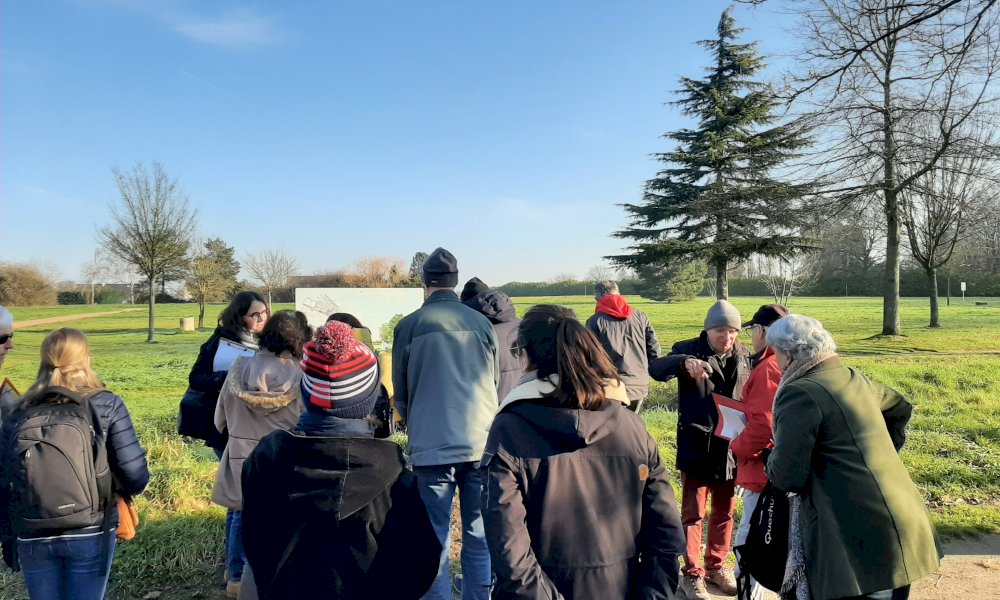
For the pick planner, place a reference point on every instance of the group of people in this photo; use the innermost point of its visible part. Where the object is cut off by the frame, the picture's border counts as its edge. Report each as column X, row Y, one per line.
column 533, row 423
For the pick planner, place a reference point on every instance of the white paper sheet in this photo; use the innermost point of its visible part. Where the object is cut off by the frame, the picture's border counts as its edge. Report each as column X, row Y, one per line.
column 227, row 353
column 733, row 422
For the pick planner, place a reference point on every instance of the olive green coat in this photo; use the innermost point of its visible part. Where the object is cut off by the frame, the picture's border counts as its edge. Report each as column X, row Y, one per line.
column 864, row 524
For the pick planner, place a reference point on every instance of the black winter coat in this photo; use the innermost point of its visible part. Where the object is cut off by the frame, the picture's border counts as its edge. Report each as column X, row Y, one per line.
column 335, row 517
column 499, row 309
column 577, row 504
column 700, row 453
column 203, row 379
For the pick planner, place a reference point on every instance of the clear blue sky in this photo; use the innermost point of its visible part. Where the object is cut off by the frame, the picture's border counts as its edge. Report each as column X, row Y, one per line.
column 506, row 132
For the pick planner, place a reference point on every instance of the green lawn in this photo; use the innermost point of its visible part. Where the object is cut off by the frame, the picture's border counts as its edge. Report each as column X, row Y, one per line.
column 949, row 373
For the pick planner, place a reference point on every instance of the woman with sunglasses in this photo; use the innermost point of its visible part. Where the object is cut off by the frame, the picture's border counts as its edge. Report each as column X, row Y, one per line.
column 8, row 397
column 577, row 503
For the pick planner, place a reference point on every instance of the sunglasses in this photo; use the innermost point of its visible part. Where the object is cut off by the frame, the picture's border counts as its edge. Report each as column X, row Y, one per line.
column 516, row 350
column 4, row 338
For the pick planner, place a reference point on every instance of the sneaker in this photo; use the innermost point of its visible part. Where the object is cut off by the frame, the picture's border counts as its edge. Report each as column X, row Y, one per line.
column 694, row 588
column 456, row 583
column 724, row 580
column 232, row 589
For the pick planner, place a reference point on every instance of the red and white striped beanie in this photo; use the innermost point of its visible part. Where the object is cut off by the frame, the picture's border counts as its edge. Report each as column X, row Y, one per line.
column 339, row 373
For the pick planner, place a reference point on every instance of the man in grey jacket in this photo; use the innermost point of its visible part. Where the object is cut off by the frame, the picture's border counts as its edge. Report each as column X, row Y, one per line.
column 445, row 370
column 627, row 337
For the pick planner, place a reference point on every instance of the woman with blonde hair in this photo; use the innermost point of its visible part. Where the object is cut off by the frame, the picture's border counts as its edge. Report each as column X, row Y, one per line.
column 58, row 527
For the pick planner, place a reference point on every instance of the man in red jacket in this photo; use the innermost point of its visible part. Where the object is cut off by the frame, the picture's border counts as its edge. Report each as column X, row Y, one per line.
column 751, row 442
column 628, row 337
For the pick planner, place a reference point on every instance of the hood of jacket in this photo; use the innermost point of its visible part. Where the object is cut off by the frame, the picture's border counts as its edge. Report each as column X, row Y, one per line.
column 568, row 428
column 494, row 305
column 614, row 305
column 337, row 475
column 265, row 382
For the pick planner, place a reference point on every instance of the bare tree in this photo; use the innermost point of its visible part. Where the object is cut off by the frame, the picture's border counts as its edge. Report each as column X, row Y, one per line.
column 785, row 276
column 152, row 226
column 379, row 271
column 876, row 71
column 271, row 269
column 936, row 210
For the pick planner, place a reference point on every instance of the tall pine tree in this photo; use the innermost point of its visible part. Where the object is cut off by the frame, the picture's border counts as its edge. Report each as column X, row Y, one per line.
column 717, row 199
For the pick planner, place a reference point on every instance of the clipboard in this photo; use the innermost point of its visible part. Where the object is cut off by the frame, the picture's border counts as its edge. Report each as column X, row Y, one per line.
column 228, row 352
column 732, row 416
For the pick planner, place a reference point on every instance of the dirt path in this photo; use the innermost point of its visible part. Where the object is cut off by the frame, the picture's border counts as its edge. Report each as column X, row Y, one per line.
column 970, row 571
column 64, row 318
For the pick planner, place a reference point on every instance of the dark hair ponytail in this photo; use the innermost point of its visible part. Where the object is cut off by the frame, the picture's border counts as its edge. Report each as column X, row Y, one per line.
column 558, row 344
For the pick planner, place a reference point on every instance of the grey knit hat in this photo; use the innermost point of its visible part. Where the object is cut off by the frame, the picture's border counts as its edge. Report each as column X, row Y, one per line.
column 723, row 314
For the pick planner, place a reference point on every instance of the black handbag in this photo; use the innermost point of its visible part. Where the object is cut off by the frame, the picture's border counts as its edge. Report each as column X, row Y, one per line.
column 765, row 551
column 196, row 415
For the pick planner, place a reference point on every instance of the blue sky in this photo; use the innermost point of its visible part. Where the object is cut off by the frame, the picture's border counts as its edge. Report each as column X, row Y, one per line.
column 506, row 132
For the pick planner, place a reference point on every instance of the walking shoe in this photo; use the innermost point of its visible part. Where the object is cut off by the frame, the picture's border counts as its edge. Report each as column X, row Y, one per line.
column 232, row 589
column 694, row 588
column 722, row 579
column 457, row 583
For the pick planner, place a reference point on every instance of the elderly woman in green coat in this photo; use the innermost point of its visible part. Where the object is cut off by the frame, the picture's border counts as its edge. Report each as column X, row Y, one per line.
column 862, row 528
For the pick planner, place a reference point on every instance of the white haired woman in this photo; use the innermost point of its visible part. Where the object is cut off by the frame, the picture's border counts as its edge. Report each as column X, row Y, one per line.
column 862, row 529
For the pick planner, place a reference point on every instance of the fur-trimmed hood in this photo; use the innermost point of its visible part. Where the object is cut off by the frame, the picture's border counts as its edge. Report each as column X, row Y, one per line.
column 265, row 382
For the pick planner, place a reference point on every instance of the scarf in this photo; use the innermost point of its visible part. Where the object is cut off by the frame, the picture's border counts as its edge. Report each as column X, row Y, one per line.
column 326, row 425
column 795, row 586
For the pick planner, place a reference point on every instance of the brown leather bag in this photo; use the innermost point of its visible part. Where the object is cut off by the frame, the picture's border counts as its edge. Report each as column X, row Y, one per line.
column 128, row 520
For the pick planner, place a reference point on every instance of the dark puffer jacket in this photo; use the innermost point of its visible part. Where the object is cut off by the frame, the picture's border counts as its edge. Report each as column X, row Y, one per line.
column 335, row 517
column 499, row 309
column 700, row 453
column 577, row 503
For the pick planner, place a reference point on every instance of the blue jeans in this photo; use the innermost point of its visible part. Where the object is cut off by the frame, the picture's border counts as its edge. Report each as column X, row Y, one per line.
column 437, row 486
column 67, row 568
column 235, row 558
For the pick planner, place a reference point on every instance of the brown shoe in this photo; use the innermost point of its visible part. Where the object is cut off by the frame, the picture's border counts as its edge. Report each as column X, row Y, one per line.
column 722, row 579
column 693, row 587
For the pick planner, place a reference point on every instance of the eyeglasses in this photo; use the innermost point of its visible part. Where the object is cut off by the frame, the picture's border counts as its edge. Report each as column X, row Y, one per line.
column 260, row 315
column 4, row 338
column 516, row 350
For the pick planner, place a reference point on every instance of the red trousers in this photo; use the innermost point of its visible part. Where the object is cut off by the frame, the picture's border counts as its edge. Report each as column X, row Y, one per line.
column 694, row 499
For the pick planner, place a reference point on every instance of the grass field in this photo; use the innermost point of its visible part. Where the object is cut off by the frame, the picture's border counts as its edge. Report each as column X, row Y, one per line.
column 950, row 374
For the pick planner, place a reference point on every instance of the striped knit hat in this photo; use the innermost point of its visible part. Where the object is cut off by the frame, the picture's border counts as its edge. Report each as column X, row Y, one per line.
column 339, row 373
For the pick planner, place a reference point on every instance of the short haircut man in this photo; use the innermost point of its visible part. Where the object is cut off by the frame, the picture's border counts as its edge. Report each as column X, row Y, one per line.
column 628, row 337
column 445, row 369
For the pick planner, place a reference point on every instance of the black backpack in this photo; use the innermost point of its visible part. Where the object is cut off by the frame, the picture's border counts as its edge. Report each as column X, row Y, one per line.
column 56, row 464
column 765, row 551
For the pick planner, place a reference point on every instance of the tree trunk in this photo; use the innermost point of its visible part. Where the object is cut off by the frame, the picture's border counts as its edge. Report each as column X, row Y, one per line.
column 935, row 313
column 268, row 298
column 721, row 279
column 890, row 289
column 152, row 301
column 201, row 314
